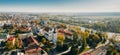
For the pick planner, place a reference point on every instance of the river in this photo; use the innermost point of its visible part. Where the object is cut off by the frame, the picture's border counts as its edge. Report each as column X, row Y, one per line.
column 110, row 34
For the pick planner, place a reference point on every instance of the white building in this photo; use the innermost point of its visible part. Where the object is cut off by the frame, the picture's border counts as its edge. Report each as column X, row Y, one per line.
column 116, row 37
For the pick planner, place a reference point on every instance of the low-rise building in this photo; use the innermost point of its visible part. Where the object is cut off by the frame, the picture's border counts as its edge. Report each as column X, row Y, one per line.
column 33, row 50
column 116, row 37
column 12, row 39
column 30, row 41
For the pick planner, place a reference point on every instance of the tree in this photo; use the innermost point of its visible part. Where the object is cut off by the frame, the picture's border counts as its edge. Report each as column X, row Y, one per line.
column 111, row 50
column 17, row 43
column 87, row 30
column 3, row 43
column 47, row 49
column 96, row 37
column 93, row 40
column 75, row 37
column 60, row 42
column 61, row 37
column 1, row 29
column 105, row 35
column 9, row 45
column 44, row 40
column 86, row 34
column 79, row 32
column 18, row 35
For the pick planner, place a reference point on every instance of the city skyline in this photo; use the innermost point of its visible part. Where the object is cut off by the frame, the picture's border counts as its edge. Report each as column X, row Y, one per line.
column 59, row 6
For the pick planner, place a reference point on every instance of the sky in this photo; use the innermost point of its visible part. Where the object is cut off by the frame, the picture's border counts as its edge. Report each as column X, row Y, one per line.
column 59, row 5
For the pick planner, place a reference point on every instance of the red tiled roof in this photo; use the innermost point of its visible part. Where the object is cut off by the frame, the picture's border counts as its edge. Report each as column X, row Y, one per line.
column 33, row 49
column 31, row 39
column 61, row 30
column 11, row 38
column 47, row 29
column 68, row 32
column 65, row 31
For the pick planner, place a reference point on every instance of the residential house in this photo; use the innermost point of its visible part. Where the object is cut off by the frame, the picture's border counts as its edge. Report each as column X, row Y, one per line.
column 25, row 35
column 68, row 33
column 30, row 41
column 116, row 37
column 33, row 50
column 12, row 38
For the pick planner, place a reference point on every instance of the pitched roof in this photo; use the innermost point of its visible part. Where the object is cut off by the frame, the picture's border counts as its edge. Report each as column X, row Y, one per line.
column 31, row 39
column 68, row 32
column 65, row 31
column 11, row 38
column 32, row 49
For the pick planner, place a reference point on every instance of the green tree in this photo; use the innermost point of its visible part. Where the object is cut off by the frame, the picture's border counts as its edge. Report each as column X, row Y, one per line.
column 75, row 37
column 17, row 43
column 44, row 40
column 87, row 30
column 85, row 35
column 9, row 45
column 111, row 50
column 96, row 37
column 93, row 40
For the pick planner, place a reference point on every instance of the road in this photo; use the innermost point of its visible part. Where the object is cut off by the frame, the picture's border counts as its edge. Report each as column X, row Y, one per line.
column 99, row 51
column 65, row 51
